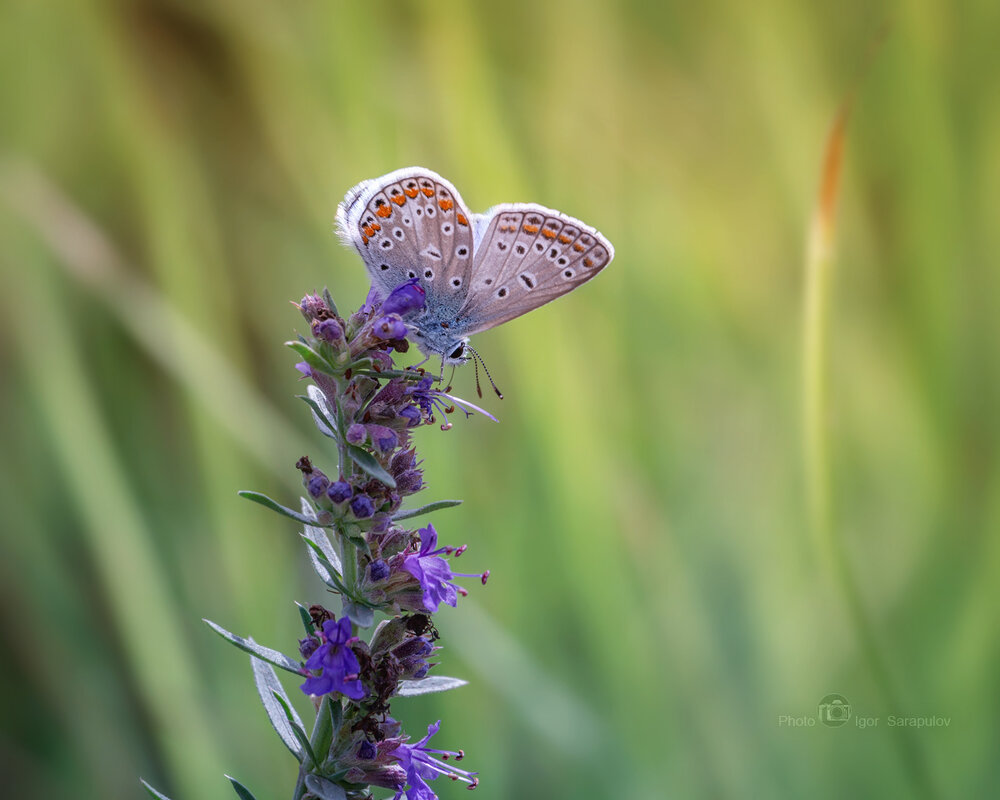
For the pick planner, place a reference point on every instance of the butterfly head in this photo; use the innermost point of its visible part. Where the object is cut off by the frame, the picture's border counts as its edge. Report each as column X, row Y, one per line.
column 458, row 354
column 452, row 353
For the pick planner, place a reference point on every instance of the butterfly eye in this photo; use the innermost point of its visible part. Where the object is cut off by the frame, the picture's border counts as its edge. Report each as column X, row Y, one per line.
column 458, row 351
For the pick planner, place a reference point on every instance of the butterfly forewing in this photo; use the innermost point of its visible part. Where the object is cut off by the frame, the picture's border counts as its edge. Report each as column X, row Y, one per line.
column 527, row 256
column 410, row 224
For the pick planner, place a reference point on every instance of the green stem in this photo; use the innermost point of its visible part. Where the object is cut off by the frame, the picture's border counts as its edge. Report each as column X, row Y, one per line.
column 348, row 552
column 819, row 271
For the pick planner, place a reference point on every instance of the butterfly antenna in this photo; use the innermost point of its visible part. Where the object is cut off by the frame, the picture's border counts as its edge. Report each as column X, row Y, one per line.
column 487, row 371
column 475, row 367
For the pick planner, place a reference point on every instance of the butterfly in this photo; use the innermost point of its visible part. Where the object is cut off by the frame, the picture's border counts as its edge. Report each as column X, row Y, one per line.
column 477, row 270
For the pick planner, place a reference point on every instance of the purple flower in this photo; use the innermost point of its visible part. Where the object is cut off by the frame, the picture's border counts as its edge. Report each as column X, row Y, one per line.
column 430, row 400
column 389, row 327
column 421, row 767
column 362, row 506
column 337, row 662
column 405, row 298
column 339, row 491
column 432, row 571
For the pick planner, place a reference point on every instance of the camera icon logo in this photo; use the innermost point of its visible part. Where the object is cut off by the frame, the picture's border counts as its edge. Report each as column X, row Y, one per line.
column 834, row 710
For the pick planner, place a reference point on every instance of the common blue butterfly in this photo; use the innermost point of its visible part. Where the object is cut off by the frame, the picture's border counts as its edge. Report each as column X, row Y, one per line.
column 478, row 270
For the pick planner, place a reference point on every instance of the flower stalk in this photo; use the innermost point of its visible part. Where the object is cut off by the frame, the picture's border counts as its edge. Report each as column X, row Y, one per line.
column 355, row 661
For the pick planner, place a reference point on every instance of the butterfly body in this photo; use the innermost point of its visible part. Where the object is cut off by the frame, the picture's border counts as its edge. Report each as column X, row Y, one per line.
column 478, row 270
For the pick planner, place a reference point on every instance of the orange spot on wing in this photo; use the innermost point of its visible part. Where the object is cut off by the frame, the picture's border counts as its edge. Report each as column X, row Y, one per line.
column 398, row 199
column 462, row 220
column 364, row 239
column 410, row 192
column 428, row 191
column 531, row 229
column 578, row 247
column 588, row 262
column 446, row 204
column 549, row 234
column 384, row 211
column 564, row 238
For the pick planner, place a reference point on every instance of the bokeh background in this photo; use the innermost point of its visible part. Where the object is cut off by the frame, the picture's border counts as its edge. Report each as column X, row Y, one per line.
column 659, row 598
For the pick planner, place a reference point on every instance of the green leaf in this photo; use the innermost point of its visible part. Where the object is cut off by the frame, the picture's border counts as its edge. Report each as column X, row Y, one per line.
column 306, row 617
column 312, row 358
column 322, row 788
column 268, row 687
column 316, row 401
column 250, row 646
column 324, row 729
column 152, row 791
column 318, row 535
column 328, row 299
column 296, row 724
column 360, row 614
column 267, row 502
column 369, row 464
column 326, row 571
column 410, row 513
column 413, row 375
column 243, row 792
column 435, row 683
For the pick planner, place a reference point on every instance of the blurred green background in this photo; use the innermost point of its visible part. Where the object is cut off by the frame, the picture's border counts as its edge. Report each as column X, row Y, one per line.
column 168, row 181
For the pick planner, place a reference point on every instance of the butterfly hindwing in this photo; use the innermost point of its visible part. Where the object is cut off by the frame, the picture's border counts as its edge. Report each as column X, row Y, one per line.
column 528, row 255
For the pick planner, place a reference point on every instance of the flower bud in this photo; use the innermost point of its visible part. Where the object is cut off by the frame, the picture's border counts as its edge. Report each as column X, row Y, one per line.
column 412, row 416
column 383, row 438
column 378, row 570
column 403, row 461
column 362, row 506
column 317, row 483
column 414, row 646
column 328, row 330
column 412, row 655
column 308, row 646
column 339, row 491
column 388, row 635
column 367, row 751
column 410, row 481
column 356, row 433
column 389, row 327
column 405, row 298
column 313, row 307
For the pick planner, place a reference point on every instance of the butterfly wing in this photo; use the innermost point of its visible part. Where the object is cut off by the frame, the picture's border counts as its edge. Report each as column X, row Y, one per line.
column 527, row 255
column 411, row 223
